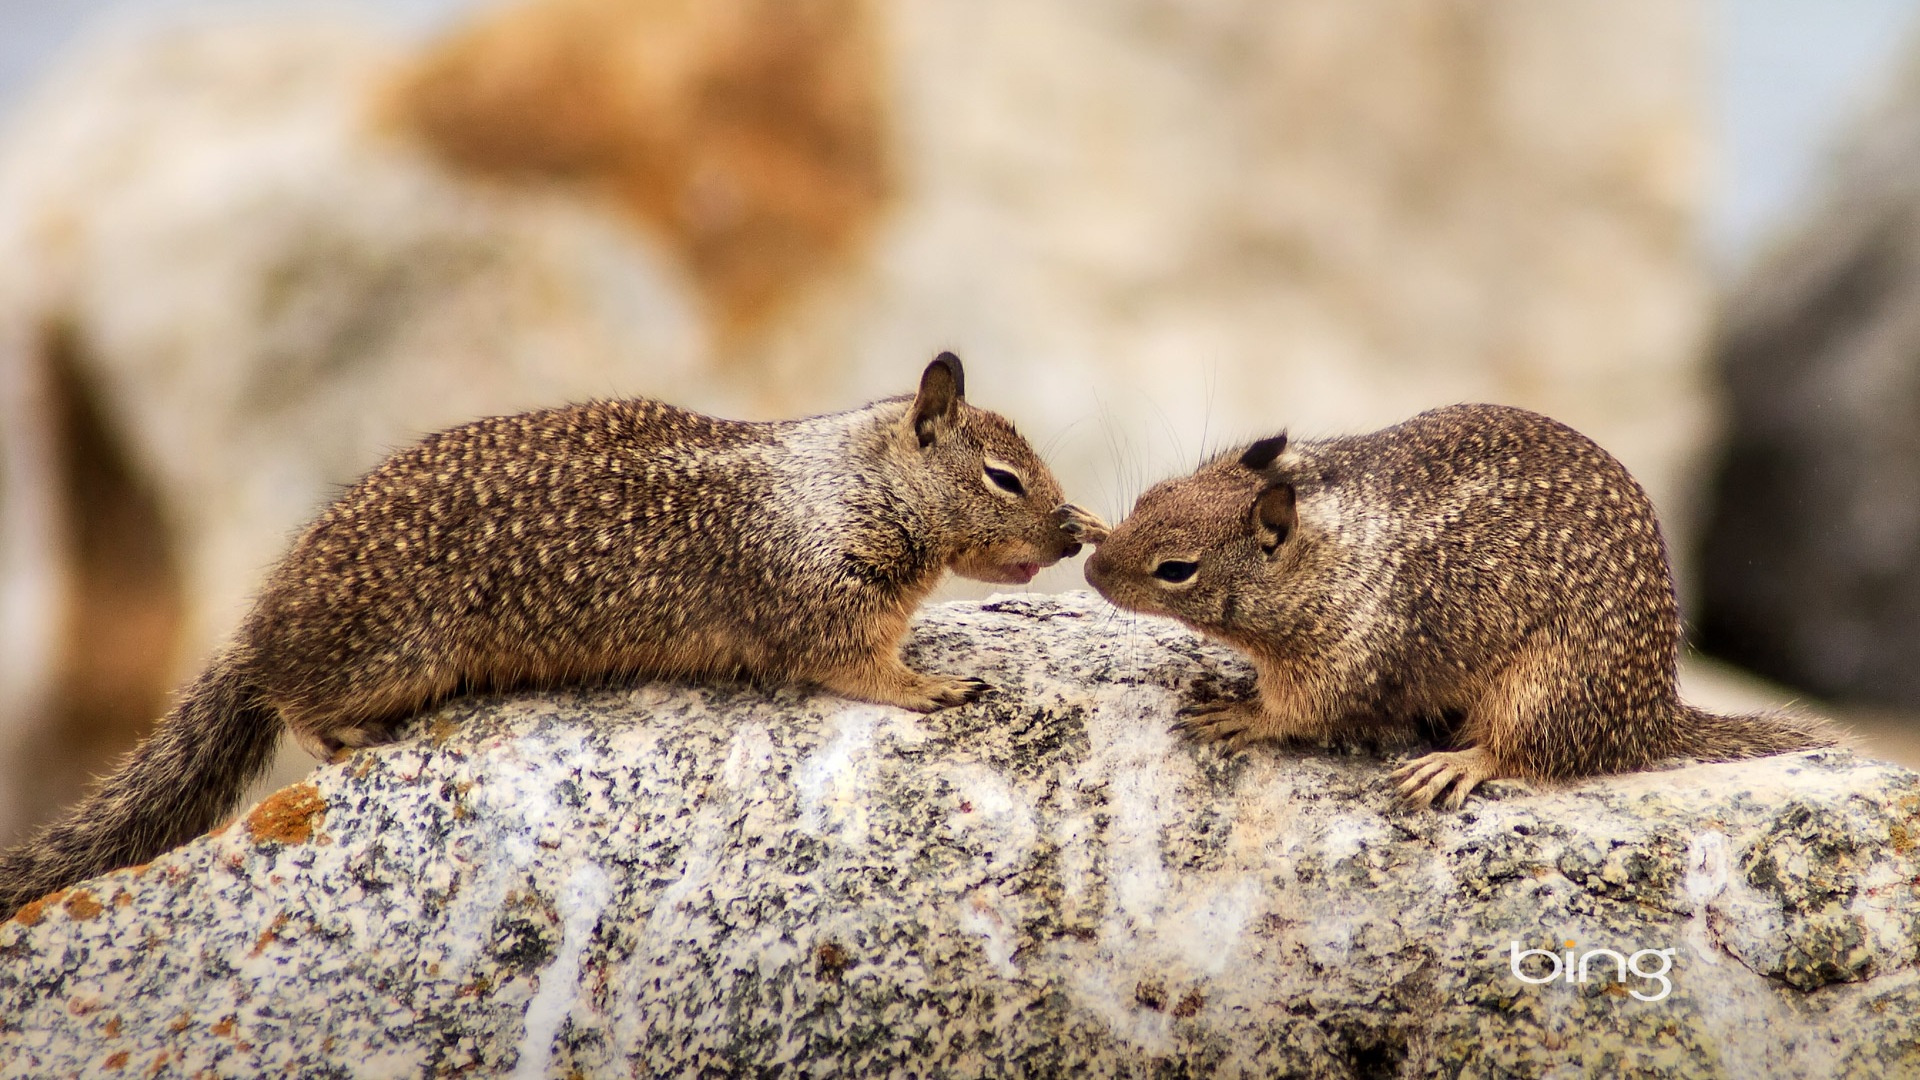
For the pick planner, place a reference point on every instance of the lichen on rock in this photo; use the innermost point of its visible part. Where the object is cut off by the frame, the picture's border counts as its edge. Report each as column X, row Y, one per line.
column 670, row 879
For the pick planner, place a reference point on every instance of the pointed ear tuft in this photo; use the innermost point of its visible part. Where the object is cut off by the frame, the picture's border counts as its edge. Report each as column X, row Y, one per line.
column 942, row 387
column 959, row 373
column 1273, row 515
column 1261, row 454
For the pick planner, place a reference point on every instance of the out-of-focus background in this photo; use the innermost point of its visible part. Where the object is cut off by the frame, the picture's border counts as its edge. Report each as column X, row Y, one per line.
column 247, row 249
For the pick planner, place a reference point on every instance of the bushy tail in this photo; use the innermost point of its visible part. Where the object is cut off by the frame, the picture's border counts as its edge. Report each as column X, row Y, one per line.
column 174, row 786
column 1707, row 736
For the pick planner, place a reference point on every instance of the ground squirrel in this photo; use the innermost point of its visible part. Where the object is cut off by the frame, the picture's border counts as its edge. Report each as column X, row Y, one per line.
column 619, row 538
column 1480, row 568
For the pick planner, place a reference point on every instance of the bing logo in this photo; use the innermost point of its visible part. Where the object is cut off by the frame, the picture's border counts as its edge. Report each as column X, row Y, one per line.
column 1651, row 965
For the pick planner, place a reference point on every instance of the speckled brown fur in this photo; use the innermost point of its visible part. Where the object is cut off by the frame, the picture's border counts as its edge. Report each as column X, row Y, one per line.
column 614, row 539
column 1478, row 562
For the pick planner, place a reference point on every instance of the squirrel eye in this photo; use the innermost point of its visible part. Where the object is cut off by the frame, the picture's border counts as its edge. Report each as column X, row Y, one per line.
column 1175, row 571
column 1006, row 481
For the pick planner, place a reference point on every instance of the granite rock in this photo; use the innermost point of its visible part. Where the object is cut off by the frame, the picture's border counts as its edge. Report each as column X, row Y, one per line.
column 675, row 880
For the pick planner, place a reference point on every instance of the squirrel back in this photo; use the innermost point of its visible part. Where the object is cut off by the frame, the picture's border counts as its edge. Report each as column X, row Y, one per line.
column 614, row 539
column 1478, row 563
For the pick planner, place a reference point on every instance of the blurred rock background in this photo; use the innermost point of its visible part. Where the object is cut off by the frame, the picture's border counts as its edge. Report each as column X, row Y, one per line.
column 246, row 250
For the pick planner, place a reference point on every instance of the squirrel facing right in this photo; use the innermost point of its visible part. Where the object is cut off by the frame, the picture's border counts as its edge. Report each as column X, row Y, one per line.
column 617, row 539
column 1477, row 562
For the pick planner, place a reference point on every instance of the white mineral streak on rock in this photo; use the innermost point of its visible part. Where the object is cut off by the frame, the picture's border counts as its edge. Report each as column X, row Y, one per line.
column 580, row 904
column 829, row 781
column 514, row 800
column 749, row 756
column 980, row 914
column 994, row 818
column 1706, row 881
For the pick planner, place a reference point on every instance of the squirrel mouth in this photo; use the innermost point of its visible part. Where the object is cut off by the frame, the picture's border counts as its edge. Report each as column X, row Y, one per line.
column 1015, row 573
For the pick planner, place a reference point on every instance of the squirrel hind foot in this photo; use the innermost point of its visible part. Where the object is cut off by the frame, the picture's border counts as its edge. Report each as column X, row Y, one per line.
column 1428, row 778
column 337, row 743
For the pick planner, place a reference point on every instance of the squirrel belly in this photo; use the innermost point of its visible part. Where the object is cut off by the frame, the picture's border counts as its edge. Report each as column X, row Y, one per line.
column 1478, row 562
column 616, row 539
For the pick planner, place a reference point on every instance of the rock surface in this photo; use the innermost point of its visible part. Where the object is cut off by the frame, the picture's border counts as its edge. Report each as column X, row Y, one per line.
column 721, row 881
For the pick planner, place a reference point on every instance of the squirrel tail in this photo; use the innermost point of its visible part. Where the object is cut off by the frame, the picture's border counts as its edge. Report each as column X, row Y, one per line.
column 1707, row 736
column 175, row 785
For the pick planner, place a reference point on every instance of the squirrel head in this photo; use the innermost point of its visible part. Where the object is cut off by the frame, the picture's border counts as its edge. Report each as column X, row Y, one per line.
column 1002, row 507
column 1197, row 547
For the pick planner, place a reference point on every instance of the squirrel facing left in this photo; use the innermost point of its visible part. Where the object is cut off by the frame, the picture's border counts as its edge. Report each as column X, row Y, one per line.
column 624, row 538
column 1478, row 562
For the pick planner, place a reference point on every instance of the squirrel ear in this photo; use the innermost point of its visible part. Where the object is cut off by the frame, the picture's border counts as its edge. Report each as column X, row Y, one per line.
column 1261, row 454
column 1272, row 517
column 942, row 387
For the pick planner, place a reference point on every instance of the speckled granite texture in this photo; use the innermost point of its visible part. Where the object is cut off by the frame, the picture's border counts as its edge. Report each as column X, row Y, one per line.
column 723, row 882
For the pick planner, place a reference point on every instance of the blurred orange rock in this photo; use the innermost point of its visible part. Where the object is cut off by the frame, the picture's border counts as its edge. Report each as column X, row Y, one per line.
column 748, row 135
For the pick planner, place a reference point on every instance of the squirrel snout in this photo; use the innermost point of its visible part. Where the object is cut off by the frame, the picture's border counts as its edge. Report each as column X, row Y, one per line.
column 1096, row 568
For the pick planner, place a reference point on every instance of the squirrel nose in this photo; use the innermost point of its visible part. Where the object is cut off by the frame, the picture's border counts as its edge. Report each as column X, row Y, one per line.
column 1096, row 566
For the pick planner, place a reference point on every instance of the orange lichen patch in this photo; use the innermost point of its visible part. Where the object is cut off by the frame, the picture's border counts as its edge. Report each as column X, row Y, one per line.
column 441, row 730
column 116, row 1060
column 159, row 1063
column 749, row 135
column 180, row 1023
column 224, row 1027
column 81, row 905
column 33, row 911
column 288, row 816
column 112, row 1028
column 270, row 935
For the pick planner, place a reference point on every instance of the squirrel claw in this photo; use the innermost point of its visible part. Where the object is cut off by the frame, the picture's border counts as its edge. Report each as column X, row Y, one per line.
column 1226, row 722
column 1083, row 525
column 961, row 691
column 1426, row 779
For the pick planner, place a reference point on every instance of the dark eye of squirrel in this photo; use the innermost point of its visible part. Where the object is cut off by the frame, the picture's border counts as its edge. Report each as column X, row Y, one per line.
column 1175, row 571
column 1006, row 481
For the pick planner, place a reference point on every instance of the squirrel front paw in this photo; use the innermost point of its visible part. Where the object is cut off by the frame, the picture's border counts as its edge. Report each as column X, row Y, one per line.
column 1426, row 780
column 945, row 692
column 889, row 682
column 1232, row 724
column 1084, row 526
